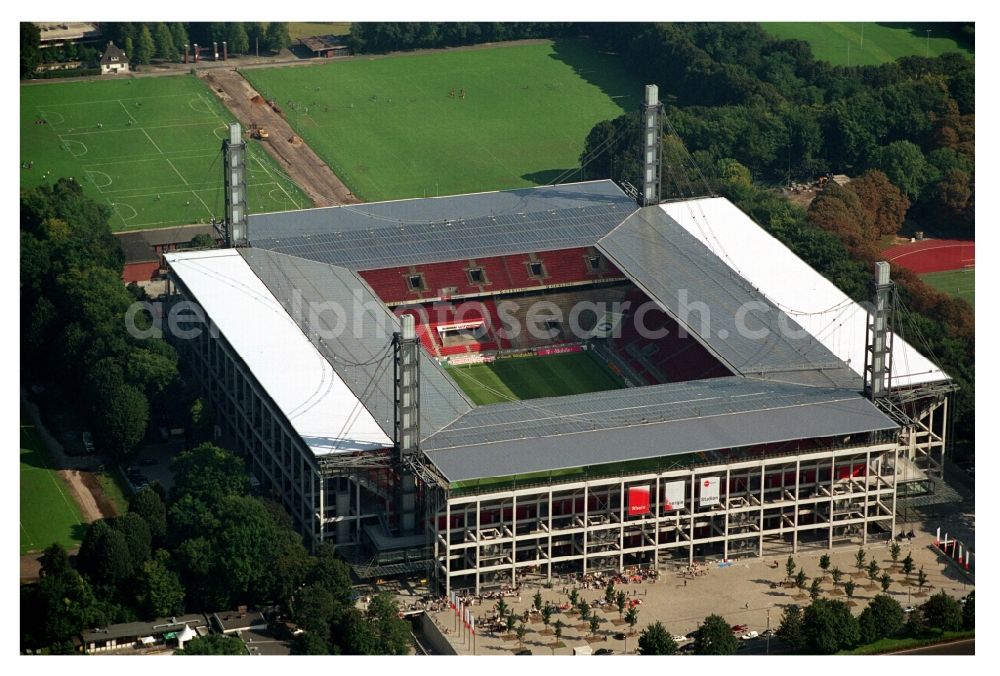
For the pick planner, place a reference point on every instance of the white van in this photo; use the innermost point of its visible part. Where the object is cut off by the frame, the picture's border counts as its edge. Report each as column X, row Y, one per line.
column 583, row 650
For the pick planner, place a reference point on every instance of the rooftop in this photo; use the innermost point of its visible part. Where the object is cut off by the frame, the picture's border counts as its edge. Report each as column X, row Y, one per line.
column 156, row 627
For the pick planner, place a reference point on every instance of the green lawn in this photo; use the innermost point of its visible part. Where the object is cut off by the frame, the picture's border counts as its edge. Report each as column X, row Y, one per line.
column 390, row 129
column 307, row 29
column 958, row 283
column 533, row 377
column 150, row 148
column 883, row 42
column 48, row 512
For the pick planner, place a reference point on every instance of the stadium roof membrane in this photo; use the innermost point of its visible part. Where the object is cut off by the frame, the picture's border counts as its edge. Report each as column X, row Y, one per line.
column 337, row 390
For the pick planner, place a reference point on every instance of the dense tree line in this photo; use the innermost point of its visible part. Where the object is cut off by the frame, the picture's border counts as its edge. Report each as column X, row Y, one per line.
column 208, row 546
column 827, row 626
column 398, row 36
column 734, row 91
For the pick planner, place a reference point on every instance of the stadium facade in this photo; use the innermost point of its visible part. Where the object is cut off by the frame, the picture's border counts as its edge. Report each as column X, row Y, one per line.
column 763, row 411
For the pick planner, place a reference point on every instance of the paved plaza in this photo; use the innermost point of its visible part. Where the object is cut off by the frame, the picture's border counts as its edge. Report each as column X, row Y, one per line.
column 741, row 592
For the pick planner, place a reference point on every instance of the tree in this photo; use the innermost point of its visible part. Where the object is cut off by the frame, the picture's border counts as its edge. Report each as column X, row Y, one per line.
column 828, row 626
column 814, row 590
column 158, row 588
column 609, row 592
column 849, row 588
column 104, row 555
column 214, row 644
column 824, row 563
column 209, row 473
column 916, row 626
column 620, row 600
column 237, row 40
column 632, row 618
column 502, row 609
column 58, row 607
column 574, row 597
column 790, row 628
column 145, row 47
column 921, row 578
column 164, row 39
column 537, row 600
column 520, row 631
column 836, row 574
column 943, row 612
column 894, row 550
column 789, row 568
column 137, row 537
column 315, row 608
column 583, row 607
column 885, row 582
column 179, row 35
column 276, row 38
column 128, row 46
column 714, row 637
column 969, row 611
column 391, row 634
column 873, row 570
column 510, row 621
column 595, row 624
column 905, row 165
column 147, row 504
column 800, row 580
column 882, row 617
column 859, row 559
column 908, row 564
column 30, row 43
column 885, row 203
column 655, row 640
column 547, row 612
column 121, row 420
column 558, row 629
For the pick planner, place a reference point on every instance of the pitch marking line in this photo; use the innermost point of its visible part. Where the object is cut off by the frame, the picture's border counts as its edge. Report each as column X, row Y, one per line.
column 153, row 142
column 102, row 186
column 125, row 108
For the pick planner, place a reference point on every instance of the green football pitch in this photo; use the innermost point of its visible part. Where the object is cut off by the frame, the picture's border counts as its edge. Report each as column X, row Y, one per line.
column 533, row 377
column 867, row 43
column 48, row 512
column 958, row 283
column 149, row 148
column 398, row 126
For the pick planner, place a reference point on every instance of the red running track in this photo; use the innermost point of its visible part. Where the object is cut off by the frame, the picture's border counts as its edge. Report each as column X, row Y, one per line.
column 933, row 255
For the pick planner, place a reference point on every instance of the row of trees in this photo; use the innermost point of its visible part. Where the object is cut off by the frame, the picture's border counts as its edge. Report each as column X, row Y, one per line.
column 73, row 328
column 827, row 626
column 208, row 546
column 397, row 36
column 144, row 42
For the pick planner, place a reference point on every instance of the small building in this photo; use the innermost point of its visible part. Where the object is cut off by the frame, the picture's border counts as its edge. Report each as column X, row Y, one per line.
column 326, row 46
column 252, row 628
column 114, row 60
column 141, row 637
column 144, row 249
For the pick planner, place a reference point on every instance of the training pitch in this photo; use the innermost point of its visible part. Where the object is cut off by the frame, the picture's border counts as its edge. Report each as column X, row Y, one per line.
column 958, row 283
column 148, row 148
column 48, row 512
column 455, row 121
column 517, row 378
column 867, row 44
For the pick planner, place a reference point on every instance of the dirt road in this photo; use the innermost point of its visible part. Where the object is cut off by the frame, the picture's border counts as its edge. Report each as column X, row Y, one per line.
column 296, row 158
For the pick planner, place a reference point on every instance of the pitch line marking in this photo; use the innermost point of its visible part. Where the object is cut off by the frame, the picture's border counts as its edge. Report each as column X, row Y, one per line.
column 152, row 141
column 102, row 186
column 125, row 108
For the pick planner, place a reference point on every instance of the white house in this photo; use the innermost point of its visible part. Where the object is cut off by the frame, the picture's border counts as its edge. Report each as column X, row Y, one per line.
column 114, row 60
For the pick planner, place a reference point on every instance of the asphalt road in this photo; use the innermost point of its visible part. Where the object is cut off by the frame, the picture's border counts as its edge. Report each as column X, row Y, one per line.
column 963, row 647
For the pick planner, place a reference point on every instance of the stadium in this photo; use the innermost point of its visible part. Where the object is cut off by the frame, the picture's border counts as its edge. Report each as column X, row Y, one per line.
column 487, row 388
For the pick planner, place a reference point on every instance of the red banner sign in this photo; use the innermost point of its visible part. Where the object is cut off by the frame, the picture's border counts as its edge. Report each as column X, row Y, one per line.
column 638, row 500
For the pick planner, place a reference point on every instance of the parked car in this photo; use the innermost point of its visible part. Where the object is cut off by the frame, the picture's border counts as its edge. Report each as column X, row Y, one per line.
column 604, row 651
column 749, row 635
column 679, row 639
column 908, row 609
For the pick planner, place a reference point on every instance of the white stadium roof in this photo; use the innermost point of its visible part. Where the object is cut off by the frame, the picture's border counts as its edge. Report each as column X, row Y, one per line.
column 315, row 400
column 808, row 297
